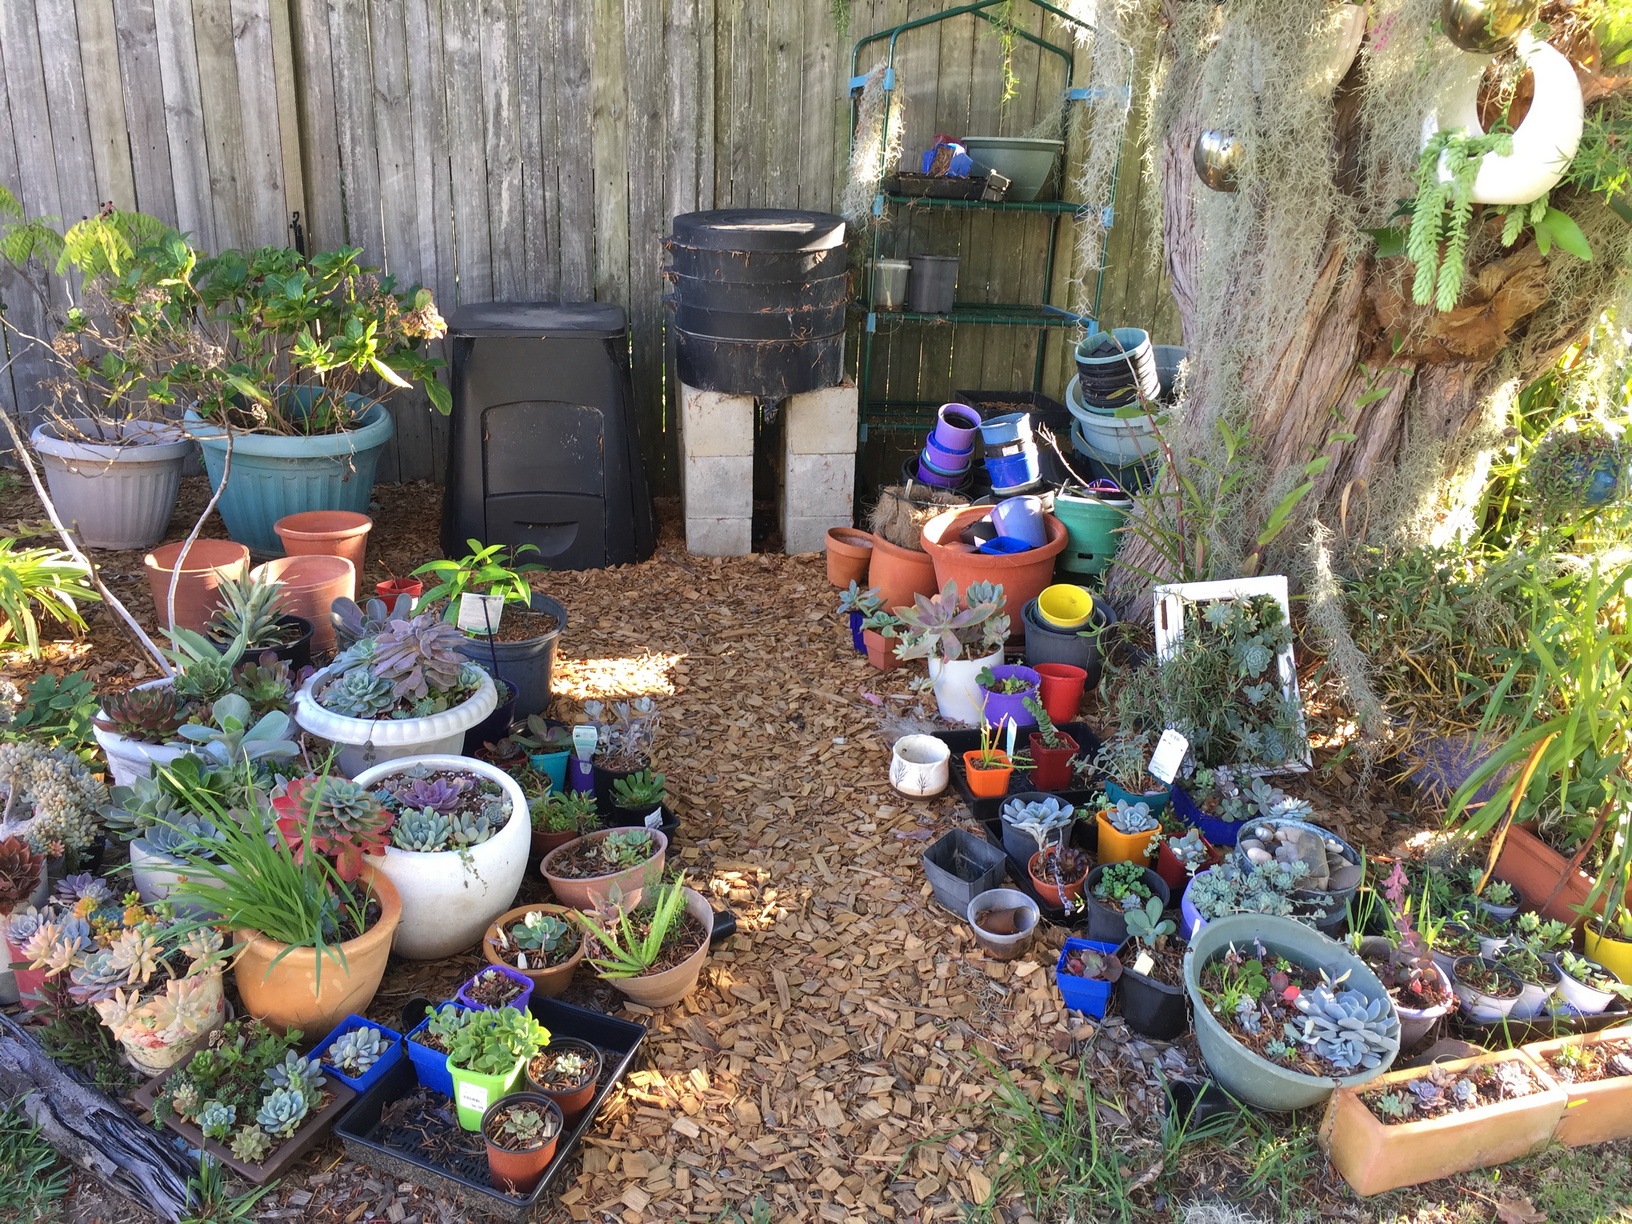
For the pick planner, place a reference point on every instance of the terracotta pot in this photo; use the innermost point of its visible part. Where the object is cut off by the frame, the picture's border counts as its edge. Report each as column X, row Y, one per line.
column 1373, row 1157
column 1115, row 847
column 517, row 1172
column 1595, row 1112
column 292, row 994
column 572, row 1104
column 591, row 892
column 543, row 843
column 986, row 783
column 672, row 985
column 392, row 587
column 849, row 553
column 1533, row 867
column 326, row 533
column 900, row 573
column 311, row 584
column 208, row 562
column 550, row 982
column 1050, row 894
column 1023, row 575
column 880, row 650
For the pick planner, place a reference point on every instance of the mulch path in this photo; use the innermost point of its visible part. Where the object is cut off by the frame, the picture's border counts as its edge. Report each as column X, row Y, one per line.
column 831, row 1060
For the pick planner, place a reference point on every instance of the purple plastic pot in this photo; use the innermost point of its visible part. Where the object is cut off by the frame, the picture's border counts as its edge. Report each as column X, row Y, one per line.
column 515, row 975
column 1011, row 706
column 1192, row 921
column 955, row 427
column 942, row 468
column 929, row 475
column 1013, row 471
column 1003, row 546
column 1021, row 518
column 945, row 459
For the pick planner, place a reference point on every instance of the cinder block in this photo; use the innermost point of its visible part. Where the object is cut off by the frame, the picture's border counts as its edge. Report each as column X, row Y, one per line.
column 818, row 485
column 719, row 486
column 803, row 535
column 821, row 422
column 719, row 537
column 713, row 423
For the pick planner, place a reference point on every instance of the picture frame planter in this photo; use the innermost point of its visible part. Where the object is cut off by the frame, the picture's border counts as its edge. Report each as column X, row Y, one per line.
column 960, row 866
column 1241, row 1072
column 572, row 1102
column 549, row 982
column 1597, row 1111
column 449, row 897
column 1004, row 945
column 1108, row 922
column 529, row 663
column 591, row 892
column 672, row 985
column 466, row 997
column 1373, row 1156
column 361, row 1083
column 518, row 1170
column 1478, row 1003
column 1086, row 995
column 118, row 494
column 365, row 743
column 1152, row 1009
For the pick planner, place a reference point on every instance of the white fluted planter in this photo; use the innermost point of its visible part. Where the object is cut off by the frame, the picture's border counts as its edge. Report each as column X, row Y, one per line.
column 366, row 742
column 118, row 495
column 957, row 695
column 130, row 759
column 449, row 899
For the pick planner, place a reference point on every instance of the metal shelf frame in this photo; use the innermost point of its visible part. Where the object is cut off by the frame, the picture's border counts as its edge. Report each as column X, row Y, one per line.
column 1042, row 316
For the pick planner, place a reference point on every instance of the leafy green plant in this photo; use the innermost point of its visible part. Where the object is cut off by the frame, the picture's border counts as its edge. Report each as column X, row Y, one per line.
column 36, row 582
column 491, row 569
column 30, row 1179
column 1147, row 926
column 209, row 1195
column 627, row 950
column 563, row 812
column 490, row 1042
column 1437, row 240
column 641, row 790
column 55, row 711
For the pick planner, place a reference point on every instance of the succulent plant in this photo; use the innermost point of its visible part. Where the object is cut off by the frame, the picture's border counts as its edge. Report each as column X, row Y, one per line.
column 490, row 1041
column 354, row 1053
column 624, row 739
column 474, row 828
column 640, row 790
column 249, row 611
column 626, row 847
column 1119, row 882
column 1146, row 924
column 334, row 817
column 1042, row 819
column 139, row 806
column 251, row 1145
column 353, row 623
column 526, row 1128
column 149, row 715
column 203, row 671
column 419, row 657
column 1266, row 889
column 1395, row 1105
column 182, row 835
column 1543, row 935
column 942, row 625
column 541, row 932
column 1190, row 850
column 236, row 736
column 20, row 872
column 1093, row 965
column 297, row 1074
column 424, row 830
column 186, row 1100
column 65, row 799
column 1347, row 1029
column 1280, row 1049
column 562, row 812
column 448, row 1020
column 216, row 1120
column 267, row 683
column 282, row 1112
column 358, row 693
column 1131, row 818
column 442, row 794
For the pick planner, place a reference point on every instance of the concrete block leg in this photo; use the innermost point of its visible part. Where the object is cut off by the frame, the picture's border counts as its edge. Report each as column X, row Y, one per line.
column 717, row 471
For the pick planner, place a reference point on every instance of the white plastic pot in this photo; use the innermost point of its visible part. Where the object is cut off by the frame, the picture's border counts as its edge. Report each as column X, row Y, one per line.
column 130, row 759
column 121, row 494
column 1532, row 1001
column 956, row 692
column 1587, row 1000
column 367, row 742
column 449, row 899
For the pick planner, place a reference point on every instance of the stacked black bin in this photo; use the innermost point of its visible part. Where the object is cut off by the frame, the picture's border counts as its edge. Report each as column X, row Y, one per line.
column 545, row 449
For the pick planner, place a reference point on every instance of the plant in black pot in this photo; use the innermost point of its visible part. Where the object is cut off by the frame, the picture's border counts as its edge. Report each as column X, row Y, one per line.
column 250, row 609
column 1153, row 995
column 1114, row 891
column 624, row 735
column 640, row 799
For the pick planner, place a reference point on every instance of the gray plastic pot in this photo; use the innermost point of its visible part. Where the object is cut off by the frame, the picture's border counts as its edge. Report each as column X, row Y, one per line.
column 1046, row 644
column 961, row 866
column 1018, row 845
column 1108, row 923
column 526, row 664
column 1242, row 1073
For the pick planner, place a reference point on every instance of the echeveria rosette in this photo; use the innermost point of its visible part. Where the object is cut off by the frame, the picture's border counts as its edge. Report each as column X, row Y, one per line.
column 335, row 817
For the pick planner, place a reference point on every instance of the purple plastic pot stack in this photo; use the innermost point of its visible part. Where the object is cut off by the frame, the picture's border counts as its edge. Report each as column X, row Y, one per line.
column 949, row 451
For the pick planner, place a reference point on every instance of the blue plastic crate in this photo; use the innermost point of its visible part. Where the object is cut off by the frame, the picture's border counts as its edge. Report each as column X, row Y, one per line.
column 1080, row 994
column 431, row 1066
column 375, row 1073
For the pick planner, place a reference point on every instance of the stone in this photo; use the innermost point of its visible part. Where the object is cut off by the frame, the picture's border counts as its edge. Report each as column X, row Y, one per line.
column 804, row 534
column 719, row 486
column 714, row 423
column 1345, row 877
column 822, row 422
column 719, row 537
column 818, row 484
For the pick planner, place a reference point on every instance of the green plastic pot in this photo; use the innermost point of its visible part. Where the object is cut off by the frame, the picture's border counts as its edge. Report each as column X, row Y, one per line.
column 1242, row 1073
column 1091, row 526
column 474, row 1092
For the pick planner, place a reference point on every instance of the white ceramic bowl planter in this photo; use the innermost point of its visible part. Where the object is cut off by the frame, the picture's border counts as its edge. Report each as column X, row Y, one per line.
column 119, row 495
column 367, row 742
column 449, row 899
column 919, row 765
column 130, row 759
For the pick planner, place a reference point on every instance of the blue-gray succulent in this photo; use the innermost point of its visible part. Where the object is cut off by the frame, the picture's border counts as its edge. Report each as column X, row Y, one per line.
column 282, row 1112
column 1345, row 1027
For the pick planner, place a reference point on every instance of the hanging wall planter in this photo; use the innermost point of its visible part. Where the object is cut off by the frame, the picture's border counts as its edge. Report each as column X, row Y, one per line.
column 119, row 494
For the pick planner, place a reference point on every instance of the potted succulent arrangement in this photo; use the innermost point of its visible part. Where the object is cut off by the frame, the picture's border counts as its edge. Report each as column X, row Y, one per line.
column 1403, row 960
column 251, row 611
column 521, row 1131
column 1488, row 991
column 1128, row 833
column 1114, row 891
column 1283, row 1014
column 987, row 769
column 1051, row 750
column 1049, row 813
column 50, row 800
column 653, row 951
column 584, row 873
column 1595, row 1072
column 559, row 817
column 873, row 630
column 1058, row 871
column 526, row 624
column 1587, row 986
column 248, row 1098
column 494, row 987
column 549, row 743
column 428, row 1044
column 1539, row 979
column 22, row 872
column 640, row 799
column 1334, row 868
column 1181, row 855
column 405, row 690
column 1085, row 973
column 940, row 628
column 1218, row 892
column 1153, row 996
column 1121, row 762
column 1007, row 691
column 625, row 734
column 460, row 832
column 359, row 1052
column 539, row 942
column 486, row 1056
column 567, row 1072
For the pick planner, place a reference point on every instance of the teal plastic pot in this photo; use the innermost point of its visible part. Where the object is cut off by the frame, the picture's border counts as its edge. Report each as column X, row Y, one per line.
column 1242, row 1073
column 1091, row 526
column 1156, row 801
column 274, row 475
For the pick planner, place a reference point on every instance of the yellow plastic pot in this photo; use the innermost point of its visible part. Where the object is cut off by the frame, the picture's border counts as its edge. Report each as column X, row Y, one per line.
column 1613, row 954
column 1065, row 606
column 1116, row 847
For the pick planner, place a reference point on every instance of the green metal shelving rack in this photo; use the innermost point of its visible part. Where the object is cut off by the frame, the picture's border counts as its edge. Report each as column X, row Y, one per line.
column 1041, row 316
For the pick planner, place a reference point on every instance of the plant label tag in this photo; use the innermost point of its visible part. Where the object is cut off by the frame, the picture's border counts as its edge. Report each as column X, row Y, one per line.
column 1169, row 755
column 1144, row 963
column 480, row 613
column 473, row 1096
column 654, row 818
column 1014, row 731
column 583, row 742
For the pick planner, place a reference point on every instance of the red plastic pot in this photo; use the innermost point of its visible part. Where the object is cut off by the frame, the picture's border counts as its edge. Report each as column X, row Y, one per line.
column 310, row 585
column 880, row 650
column 208, row 562
column 1171, row 868
column 29, row 981
column 392, row 587
column 1023, row 574
column 326, row 533
column 1061, row 690
column 1052, row 766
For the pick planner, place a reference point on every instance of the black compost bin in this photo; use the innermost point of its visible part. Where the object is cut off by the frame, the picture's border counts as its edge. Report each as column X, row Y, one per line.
column 545, row 449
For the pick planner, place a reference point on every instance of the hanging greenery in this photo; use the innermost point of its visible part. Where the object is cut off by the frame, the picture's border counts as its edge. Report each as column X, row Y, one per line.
column 1438, row 239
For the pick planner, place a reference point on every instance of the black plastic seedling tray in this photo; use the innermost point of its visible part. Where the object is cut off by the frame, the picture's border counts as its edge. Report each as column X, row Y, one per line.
column 1020, row 783
column 464, row 1171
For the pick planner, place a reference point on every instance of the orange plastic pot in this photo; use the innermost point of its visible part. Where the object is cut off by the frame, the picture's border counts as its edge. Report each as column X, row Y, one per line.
column 208, row 562
column 1023, row 575
column 326, row 533
column 1117, row 847
column 987, row 783
column 900, row 573
column 880, row 650
column 1052, row 895
column 849, row 553
column 311, row 584
column 1534, row 868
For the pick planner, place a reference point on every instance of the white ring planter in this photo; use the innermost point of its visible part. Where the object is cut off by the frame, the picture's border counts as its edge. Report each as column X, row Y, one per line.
column 1543, row 144
column 449, row 899
column 366, row 742
column 118, row 495
column 130, row 759
column 956, row 692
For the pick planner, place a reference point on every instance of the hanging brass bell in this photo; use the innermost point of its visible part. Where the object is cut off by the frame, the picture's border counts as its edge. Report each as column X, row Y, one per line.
column 1217, row 156
column 1486, row 26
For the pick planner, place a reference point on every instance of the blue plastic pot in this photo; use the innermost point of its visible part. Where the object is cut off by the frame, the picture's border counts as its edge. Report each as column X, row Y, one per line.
column 554, row 766
column 1013, row 471
column 1021, row 518
column 274, row 476
column 955, row 427
column 430, row 1065
column 1010, row 427
column 1081, row 994
column 1003, row 546
column 855, row 639
column 374, row 1074
column 1217, row 832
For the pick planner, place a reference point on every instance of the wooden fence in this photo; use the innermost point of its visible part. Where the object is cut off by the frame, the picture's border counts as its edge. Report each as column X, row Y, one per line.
column 490, row 149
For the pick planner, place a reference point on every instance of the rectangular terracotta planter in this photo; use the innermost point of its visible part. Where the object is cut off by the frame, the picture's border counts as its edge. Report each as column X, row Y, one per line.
column 1596, row 1112
column 1373, row 1157
column 1533, row 867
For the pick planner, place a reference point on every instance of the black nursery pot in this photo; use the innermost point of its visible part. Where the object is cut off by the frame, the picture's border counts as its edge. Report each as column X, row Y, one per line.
column 1151, row 1009
column 614, row 817
column 1109, row 923
column 1193, row 1103
column 496, row 725
column 297, row 654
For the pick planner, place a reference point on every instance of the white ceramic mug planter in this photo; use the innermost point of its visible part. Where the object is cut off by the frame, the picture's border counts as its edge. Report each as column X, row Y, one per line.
column 956, row 692
column 130, row 759
column 450, row 897
column 920, row 765
column 119, row 494
column 368, row 742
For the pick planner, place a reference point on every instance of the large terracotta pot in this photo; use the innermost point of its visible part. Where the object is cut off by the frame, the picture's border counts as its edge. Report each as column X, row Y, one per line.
column 290, row 994
column 672, row 985
column 1593, row 1113
column 551, row 981
column 208, row 562
column 1533, row 867
column 849, row 553
column 592, row 892
column 329, row 533
column 1023, row 575
column 311, row 584
column 900, row 573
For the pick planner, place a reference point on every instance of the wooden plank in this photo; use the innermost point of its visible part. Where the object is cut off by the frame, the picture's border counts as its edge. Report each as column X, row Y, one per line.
column 14, row 290
column 351, row 62
column 265, row 202
column 110, row 143
column 535, row 104
column 147, row 136
column 609, row 129
column 283, row 77
column 643, row 55
column 467, row 143
column 318, row 134
column 575, row 158
column 64, row 75
column 499, row 90
column 224, row 135
column 184, row 122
